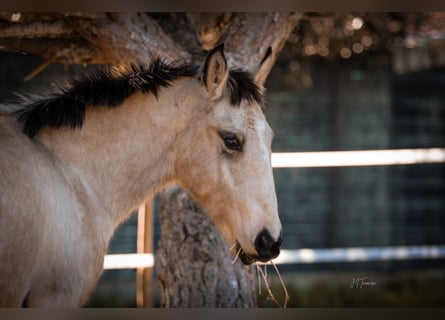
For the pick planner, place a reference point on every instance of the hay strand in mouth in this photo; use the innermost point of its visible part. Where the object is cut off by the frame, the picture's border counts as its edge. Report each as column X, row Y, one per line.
column 286, row 293
column 269, row 291
column 266, row 282
column 259, row 280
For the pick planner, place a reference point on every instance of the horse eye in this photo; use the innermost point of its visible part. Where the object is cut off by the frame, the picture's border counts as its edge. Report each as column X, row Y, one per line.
column 231, row 141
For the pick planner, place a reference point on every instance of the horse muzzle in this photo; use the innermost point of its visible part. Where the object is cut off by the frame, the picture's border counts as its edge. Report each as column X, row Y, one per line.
column 267, row 248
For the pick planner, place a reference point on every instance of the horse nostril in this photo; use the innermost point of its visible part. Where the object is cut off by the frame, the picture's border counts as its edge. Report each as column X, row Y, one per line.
column 266, row 247
column 279, row 242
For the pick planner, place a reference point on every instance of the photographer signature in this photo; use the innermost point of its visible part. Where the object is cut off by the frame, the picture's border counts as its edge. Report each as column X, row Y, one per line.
column 358, row 283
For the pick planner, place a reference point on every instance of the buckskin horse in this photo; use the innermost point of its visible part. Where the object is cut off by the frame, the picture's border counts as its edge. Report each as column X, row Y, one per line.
column 75, row 163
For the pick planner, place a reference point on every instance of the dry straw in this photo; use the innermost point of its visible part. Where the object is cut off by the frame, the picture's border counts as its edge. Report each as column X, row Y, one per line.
column 264, row 276
column 266, row 282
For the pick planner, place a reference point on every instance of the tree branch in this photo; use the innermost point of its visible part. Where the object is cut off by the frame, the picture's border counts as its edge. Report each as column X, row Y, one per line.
column 131, row 37
column 69, row 51
column 117, row 38
column 248, row 44
column 56, row 29
column 209, row 27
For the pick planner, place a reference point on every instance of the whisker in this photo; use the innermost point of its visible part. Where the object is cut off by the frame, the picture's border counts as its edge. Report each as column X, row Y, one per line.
column 237, row 255
column 233, row 246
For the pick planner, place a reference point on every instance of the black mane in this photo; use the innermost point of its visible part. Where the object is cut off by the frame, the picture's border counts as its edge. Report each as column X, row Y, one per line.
column 242, row 87
column 103, row 87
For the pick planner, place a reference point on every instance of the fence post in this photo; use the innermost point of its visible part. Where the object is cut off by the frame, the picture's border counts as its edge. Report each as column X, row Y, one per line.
column 144, row 276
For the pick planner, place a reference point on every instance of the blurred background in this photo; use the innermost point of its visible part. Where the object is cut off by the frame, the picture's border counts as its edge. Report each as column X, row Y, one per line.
column 362, row 82
column 344, row 81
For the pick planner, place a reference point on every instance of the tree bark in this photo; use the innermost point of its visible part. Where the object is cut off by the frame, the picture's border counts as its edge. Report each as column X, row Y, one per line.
column 134, row 35
column 192, row 262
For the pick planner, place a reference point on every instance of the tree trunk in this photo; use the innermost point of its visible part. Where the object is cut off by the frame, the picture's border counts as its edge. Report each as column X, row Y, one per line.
column 192, row 260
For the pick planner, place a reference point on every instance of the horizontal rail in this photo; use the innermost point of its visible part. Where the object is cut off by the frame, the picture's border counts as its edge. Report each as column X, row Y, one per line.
column 357, row 158
column 128, row 261
column 360, row 254
column 304, row 256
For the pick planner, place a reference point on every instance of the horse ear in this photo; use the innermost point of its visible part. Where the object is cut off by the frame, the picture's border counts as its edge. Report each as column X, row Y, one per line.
column 215, row 72
column 264, row 69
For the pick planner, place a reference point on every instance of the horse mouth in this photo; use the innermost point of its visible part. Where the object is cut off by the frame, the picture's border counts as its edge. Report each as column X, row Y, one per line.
column 248, row 259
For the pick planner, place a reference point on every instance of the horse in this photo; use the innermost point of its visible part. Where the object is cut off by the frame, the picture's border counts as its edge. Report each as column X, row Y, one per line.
column 76, row 162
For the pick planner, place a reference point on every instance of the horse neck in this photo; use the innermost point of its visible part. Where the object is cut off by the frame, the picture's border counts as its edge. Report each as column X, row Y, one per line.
column 123, row 155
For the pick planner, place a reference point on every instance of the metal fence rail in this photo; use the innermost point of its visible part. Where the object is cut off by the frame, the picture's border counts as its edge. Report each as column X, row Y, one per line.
column 133, row 260
column 357, row 158
column 360, row 254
